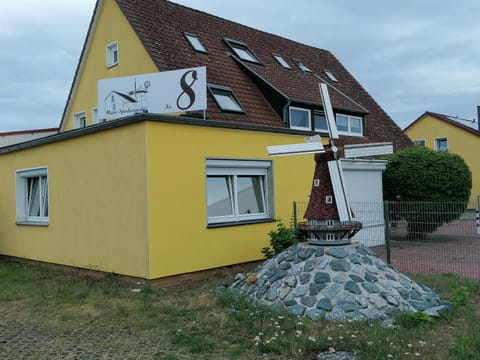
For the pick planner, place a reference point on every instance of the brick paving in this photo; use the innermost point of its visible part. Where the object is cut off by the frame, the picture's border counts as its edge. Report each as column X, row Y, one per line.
column 453, row 248
column 33, row 337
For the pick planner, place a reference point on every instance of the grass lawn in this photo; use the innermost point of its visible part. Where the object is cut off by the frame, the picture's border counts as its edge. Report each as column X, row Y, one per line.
column 48, row 314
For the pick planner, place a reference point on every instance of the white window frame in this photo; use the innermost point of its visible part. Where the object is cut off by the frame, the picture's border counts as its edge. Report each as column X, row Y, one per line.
column 195, row 42
column 302, row 66
column 281, row 61
column 436, row 143
column 349, row 131
column 242, row 51
column 222, row 93
column 330, row 75
column 232, row 169
column 95, row 115
column 309, row 127
column 79, row 119
column 420, row 142
column 24, row 196
column 325, row 129
column 328, row 199
column 112, row 54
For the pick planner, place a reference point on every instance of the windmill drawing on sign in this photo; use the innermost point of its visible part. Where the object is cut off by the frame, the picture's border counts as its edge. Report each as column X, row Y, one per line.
column 330, row 219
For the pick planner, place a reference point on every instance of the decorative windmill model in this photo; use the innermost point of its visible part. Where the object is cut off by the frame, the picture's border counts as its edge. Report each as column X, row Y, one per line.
column 329, row 215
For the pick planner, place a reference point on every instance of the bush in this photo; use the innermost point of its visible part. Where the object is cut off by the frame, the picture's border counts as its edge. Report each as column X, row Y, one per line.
column 428, row 178
column 281, row 239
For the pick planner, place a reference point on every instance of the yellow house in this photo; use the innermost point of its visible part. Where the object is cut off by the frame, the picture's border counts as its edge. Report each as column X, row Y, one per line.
column 152, row 195
column 448, row 133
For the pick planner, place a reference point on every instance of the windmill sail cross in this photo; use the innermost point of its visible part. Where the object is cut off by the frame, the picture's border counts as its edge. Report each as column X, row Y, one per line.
column 311, row 146
column 327, row 107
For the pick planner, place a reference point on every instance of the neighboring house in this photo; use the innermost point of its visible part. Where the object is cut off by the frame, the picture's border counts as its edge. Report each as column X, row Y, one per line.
column 448, row 133
column 15, row 137
column 153, row 195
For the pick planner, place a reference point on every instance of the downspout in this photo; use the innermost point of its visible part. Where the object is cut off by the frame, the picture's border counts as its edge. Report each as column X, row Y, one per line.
column 478, row 118
column 286, row 119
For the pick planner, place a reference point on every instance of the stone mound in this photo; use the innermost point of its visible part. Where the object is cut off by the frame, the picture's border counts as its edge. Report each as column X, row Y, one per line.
column 337, row 284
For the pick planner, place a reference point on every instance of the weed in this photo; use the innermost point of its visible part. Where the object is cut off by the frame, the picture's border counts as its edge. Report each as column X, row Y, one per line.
column 413, row 319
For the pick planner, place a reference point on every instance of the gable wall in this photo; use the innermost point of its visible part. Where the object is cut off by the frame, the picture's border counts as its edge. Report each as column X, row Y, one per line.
column 460, row 142
column 133, row 59
column 97, row 192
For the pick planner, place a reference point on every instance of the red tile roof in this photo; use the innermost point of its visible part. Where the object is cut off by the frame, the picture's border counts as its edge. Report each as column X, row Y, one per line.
column 262, row 89
column 448, row 119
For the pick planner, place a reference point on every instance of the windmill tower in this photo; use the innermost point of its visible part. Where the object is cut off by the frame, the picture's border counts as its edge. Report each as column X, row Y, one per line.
column 330, row 219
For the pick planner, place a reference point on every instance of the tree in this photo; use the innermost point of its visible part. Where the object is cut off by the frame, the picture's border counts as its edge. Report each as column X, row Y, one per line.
column 436, row 184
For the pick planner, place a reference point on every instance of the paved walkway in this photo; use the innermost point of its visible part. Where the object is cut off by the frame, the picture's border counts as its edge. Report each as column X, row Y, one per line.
column 34, row 338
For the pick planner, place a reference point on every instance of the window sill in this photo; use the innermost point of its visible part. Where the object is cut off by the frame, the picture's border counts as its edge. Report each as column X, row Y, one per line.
column 238, row 223
column 32, row 223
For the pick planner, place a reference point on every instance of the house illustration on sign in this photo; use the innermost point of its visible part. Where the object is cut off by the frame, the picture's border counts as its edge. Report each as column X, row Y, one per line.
column 188, row 186
column 135, row 101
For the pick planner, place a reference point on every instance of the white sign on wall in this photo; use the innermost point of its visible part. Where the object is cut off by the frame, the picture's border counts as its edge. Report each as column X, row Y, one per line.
column 160, row 93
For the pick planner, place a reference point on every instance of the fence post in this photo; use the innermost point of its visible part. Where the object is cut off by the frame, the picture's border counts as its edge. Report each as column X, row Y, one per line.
column 478, row 215
column 386, row 216
column 295, row 214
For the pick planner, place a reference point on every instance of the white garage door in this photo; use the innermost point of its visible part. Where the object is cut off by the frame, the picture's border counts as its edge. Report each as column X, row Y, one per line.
column 363, row 181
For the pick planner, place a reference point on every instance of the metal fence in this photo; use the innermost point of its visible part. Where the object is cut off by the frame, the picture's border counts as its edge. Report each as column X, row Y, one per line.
column 422, row 237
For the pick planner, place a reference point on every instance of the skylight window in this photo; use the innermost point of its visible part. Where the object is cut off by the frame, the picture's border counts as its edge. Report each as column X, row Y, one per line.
column 242, row 51
column 195, row 42
column 330, row 75
column 301, row 66
column 225, row 99
column 281, row 61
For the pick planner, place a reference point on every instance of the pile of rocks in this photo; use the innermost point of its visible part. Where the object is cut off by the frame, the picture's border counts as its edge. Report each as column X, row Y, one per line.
column 337, row 284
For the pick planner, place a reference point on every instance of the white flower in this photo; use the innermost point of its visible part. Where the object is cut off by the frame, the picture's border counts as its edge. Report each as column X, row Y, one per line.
column 417, row 354
column 389, row 356
column 311, row 338
column 332, row 350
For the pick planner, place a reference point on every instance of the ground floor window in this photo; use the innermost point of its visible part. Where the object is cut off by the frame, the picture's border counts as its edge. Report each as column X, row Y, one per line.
column 32, row 196
column 238, row 190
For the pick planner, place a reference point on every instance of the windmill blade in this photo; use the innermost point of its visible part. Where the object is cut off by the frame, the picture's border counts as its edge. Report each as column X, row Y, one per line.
column 327, row 107
column 313, row 145
column 370, row 149
column 338, row 184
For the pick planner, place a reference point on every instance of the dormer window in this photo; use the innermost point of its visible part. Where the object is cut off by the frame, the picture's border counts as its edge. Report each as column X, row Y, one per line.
column 112, row 54
column 349, row 125
column 195, row 42
column 330, row 75
column 281, row 61
column 300, row 118
column 319, row 122
column 225, row 99
column 301, row 66
column 242, row 51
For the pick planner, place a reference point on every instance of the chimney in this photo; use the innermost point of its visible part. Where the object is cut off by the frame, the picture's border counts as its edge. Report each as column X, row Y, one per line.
column 478, row 117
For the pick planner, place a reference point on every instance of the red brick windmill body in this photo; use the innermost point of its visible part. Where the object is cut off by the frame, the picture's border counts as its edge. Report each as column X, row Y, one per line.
column 330, row 220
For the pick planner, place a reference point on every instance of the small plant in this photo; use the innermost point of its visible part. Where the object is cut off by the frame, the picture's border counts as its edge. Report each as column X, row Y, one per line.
column 281, row 239
column 461, row 296
column 411, row 320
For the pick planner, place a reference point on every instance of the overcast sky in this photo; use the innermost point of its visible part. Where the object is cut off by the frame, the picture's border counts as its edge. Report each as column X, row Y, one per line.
column 412, row 56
